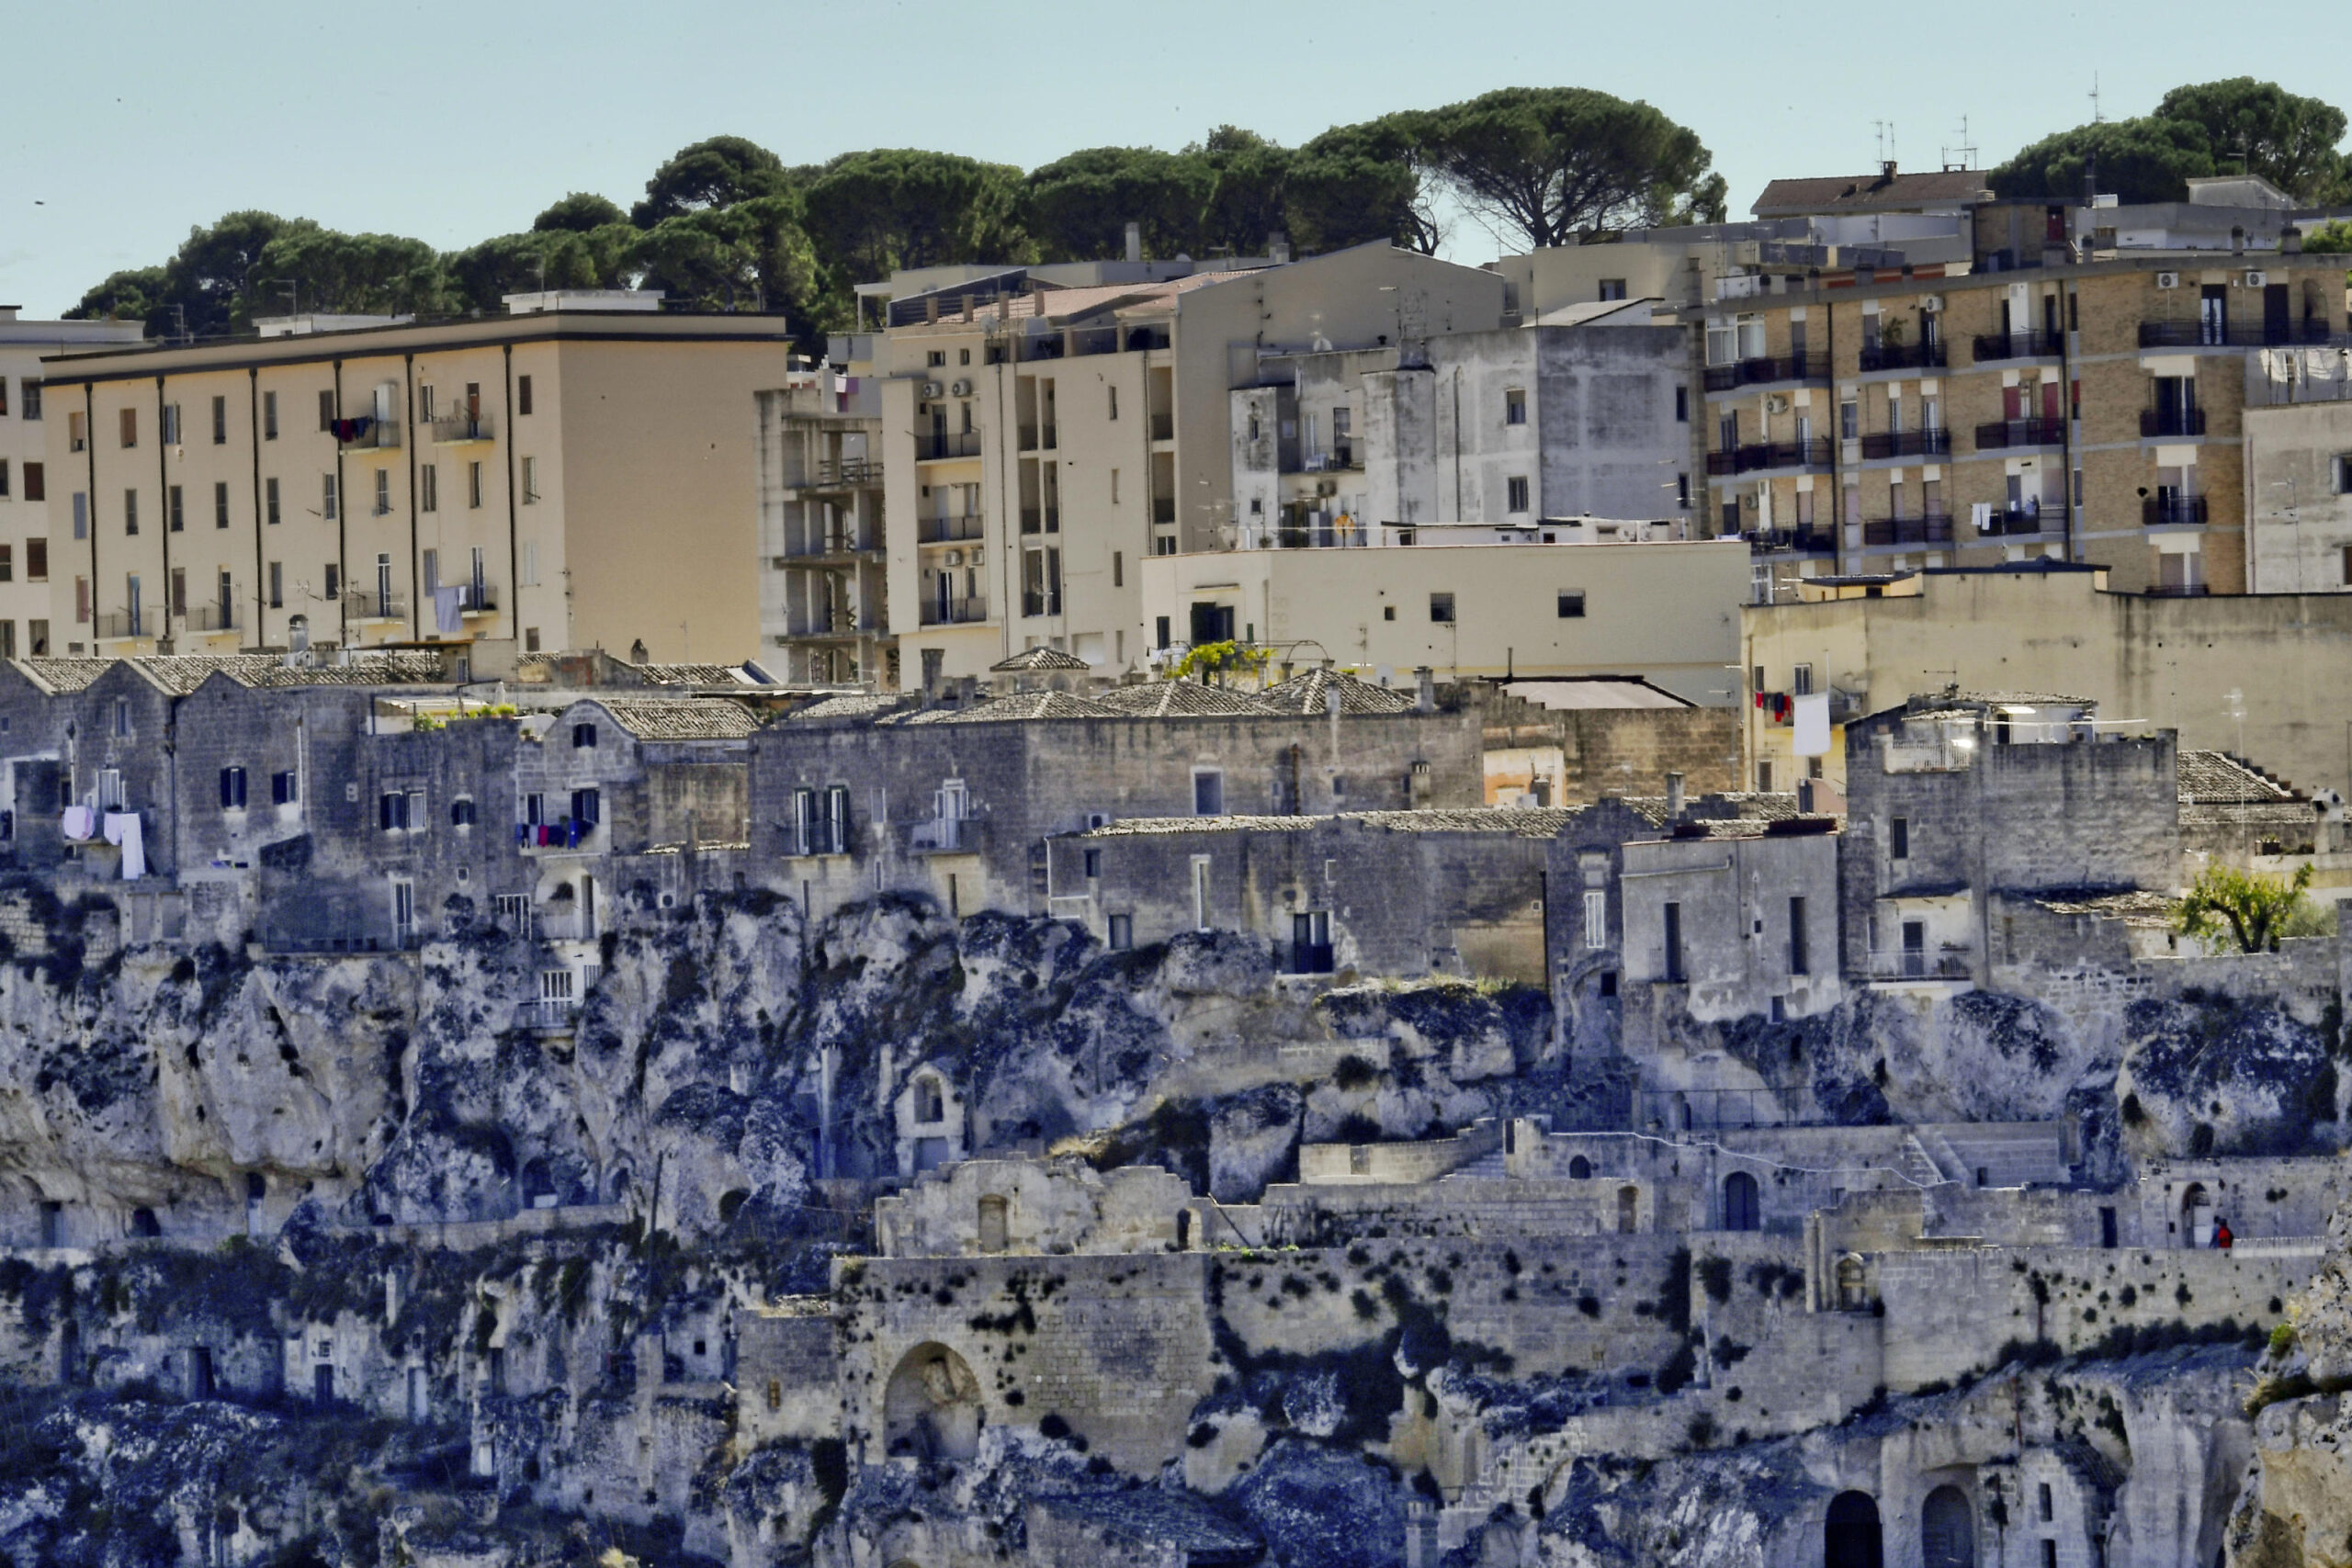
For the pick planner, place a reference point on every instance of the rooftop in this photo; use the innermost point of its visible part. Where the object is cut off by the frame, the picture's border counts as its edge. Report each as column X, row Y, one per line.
column 1885, row 191
column 1305, row 694
column 681, row 718
column 1017, row 706
column 1583, row 692
column 2216, row 778
column 1181, row 699
column 1040, row 657
column 1522, row 822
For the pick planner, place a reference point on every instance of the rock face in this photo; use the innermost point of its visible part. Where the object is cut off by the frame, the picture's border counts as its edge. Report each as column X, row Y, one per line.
column 364, row 1258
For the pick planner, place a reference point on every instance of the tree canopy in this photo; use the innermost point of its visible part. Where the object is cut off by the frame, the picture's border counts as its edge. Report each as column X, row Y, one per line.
column 2212, row 128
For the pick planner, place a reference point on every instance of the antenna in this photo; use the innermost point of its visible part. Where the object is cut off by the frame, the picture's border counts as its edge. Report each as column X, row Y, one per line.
column 1967, row 152
column 1883, row 132
column 2098, row 117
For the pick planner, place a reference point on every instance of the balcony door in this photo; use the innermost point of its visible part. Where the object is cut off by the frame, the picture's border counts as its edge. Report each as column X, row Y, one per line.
column 2275, row 326
column 2214, row 314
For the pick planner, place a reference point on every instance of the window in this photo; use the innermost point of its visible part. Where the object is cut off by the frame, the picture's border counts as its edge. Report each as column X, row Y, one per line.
column 220, row 422
column 1115, row 400
column 1681, row 405
column 1612, row 289
column 221, row 504
column 1596, row 918
column 1514, row 407
column 383, row 507
column 128, row 420
column 333, row 576
column 1094, row 866
column 33, row 397
column 530, row 481
column 392, row 810
column 584, row 736
column 1159, row 630
column 1801, row 680
column 1764, row 777
column 1441, row 608
column 36, row 560
column 4, row 394
column 461, row 812
column 1517, row 488
column 2047, row 1512
column 1200, row 893
column 36, row 481
column 1118, row 569
column 233, row 789
column 1572, row 604
column 170, row 433
column 228, row 600
column 326, row 408
column 130, row 512
column 176, row 509
column 1797, row 954
column 1682, row 491
column 1674, row 972
column 530, row 639
column 1208, row 792
column 587, row 806
column 326, row 497
column 473, row 486
column 428, row 488
column 8, row 563
column 530, row 564
column 1898, row 839
column 522, row 395
column 3, row 476
column 935, row 358
column 1122, row 934
column 1850, row 420
column 82, row 600
column 1388, row 612
column 276, row 585
column 269, row 500
column 269, row 416
column 424, row 402
column 2340, row 474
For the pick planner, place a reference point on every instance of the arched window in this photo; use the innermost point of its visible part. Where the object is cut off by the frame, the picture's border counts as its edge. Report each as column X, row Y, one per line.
column 1853, row 1287
column 1580, row 1169
column 2196, row 1216
column 1850, row 1537
column 931, row 1101
column 1948, row 1530
column 930, row 1407
column 1742, row 1209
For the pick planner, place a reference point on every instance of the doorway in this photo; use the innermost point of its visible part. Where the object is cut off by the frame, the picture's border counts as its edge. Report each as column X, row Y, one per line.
column 1850, row 1534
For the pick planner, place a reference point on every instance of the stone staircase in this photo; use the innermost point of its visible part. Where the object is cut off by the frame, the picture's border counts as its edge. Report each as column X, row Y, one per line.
column 1487, row 1166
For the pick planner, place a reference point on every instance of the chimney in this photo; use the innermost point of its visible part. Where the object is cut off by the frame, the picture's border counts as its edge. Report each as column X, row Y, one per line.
column 2237, row 238
column 1673, row 799
column 1135, row 241
column 967, row 307
column 930, row 309
column 2291, row 241
column 1425, row 693
column 1278, row 248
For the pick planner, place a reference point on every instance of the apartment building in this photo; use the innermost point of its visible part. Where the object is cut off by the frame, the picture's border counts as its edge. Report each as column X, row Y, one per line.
column 1041, row 442
column 2299, row 473
column 25, row 619
column 580, row 473
column 1866, row 423
column 821, row 543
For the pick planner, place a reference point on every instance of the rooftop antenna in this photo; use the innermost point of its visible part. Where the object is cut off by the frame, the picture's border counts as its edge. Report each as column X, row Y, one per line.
column 1967, row 153
column 1884, row 131
column 2099, row 115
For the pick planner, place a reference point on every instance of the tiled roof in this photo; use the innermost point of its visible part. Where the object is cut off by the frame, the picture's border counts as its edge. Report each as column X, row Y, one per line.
column 1181, row 699
column 850, row 705
column 1040, row 657
column 1866, row 193
column 1304, row 694
column 1744, row 807
column 2216, row 778
column 2139, row 906
column 681, row 718
column 1020, row 705
column 64, row 675
column 397, row 669
column 694, row 674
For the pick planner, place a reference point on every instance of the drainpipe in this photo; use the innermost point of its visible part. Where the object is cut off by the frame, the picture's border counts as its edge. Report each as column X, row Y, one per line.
column 163, row 500
column 342, row 534
column 514, row 549
column 415, row 560
column 261, row 588
column 90, row 511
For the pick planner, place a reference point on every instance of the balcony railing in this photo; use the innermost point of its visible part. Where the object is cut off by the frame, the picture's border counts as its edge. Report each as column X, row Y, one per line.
column 1903, row 355
column 1933, row 528
column 1040, row 437
column 1163, row 427
column 371, row 605
column 368, row 434
column 2171, row 510
column 127, row 623
column 932, row 448
column 1033, row 602
column 1906, row 443
column 1748, row 459
column 835, row 544
column 549, row 1012
column 953, row 612
column 1762, row 372
column 475, row 598
column 1320, row 536
column 2017, row 346
column 213, row 618
column 1041, row 519
column 2172, row 421
column 1164, row 510
column 563, row 833
column 2178, row 590
column 1918, row 964
column 1339, row 459
column 840, row 624
column 2005, row 432
column 948, row 530
column 1309, row 958
column 462, row 428
column 1791, row 541
column 843, row 475
column 2008, row 522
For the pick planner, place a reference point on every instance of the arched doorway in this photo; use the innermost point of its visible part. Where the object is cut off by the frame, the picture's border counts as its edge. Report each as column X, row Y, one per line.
column 1853, row 1287
column 930, row 1408
column 2196, row 1216
column 1743, row 1209
column 1948, row 1530
column 1628, row 1208
column 1850, row 1537
column 1580, row 1169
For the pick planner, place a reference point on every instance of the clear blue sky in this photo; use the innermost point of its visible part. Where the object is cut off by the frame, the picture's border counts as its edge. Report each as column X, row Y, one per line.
column 129, row 121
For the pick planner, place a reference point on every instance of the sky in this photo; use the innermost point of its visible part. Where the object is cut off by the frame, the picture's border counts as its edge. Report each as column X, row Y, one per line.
column 127, row 125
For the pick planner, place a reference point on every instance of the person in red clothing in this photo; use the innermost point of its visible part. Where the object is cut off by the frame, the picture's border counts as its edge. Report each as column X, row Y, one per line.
column 2221, row 1236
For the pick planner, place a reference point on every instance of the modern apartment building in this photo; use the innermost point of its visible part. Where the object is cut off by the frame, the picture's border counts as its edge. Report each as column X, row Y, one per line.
column 581, row 473
column 821, row 543
column 1043, row 440
column 1860, row 422
column 24, row 473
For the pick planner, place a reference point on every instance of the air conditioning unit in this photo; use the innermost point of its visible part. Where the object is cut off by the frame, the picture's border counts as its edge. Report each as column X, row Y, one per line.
column 1932, row 303
column 1327, row 487
column 962, row 388
column 2257, row 280
column 931, row 389
column 973, row 558
column 2167, row 280
column 955, row 557
column 1776, row 403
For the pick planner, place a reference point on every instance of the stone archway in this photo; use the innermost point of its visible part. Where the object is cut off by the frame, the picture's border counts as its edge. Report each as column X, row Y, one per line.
column 1948, row 1529
column 1849, row 1535
column 930, row 1407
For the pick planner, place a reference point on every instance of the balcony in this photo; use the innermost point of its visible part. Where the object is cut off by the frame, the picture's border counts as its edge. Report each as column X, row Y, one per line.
column 949, row 530
column 1902, row 356
column 213, row 618
column 2171, row 421
column 563, row 833
column 1933, row 528
column 947, row 835
column 2003, row 434
column 1309, row 958
column 1948, row 962
column 1163, row 510
column 1906, row 443
column 1036, row 602
column 463, row 428
column 937, row 448
column 2177, row 591
column 1163, row 427
column 1041, row 519
column 374, row 606
column 824, row 544
column 848, row 474
column 1339, row 459
column 477, row 598
column 1316, row 536
column 2172, row 511
column 552, row 1014
column 126, row 623
column 953, row 612
column 1040, row 438
column 367, row 434
column 1992, row 346
column 837, row 626
column 1765, row 455
column 1806, row 541
column 1764, row 372
column 2022, row 520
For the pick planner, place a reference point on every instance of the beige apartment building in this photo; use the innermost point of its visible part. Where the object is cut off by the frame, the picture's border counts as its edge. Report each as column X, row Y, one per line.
column 1865, row 423
column 581, row 473
column 822, row 585
column 25, row 619
column 1042, row 442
